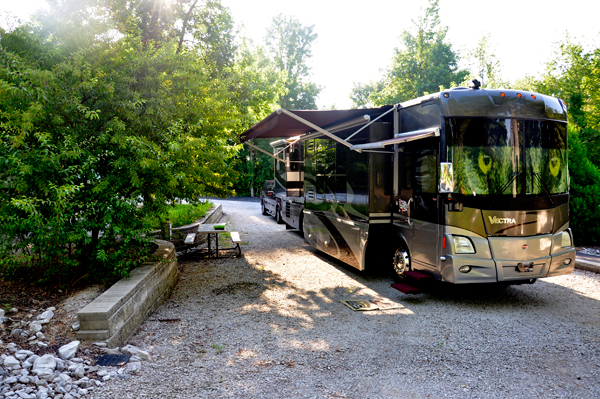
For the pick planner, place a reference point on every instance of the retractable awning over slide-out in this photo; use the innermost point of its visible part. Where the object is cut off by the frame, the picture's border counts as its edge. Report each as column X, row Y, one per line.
column 294, row 123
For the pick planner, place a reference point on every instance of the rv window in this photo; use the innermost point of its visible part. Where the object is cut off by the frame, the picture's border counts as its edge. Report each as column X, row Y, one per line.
column 426, row 171
column 340, row 172
column 294, row 155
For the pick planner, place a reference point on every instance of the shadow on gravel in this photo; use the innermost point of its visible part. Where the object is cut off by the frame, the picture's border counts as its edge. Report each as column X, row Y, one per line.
column 544, row 295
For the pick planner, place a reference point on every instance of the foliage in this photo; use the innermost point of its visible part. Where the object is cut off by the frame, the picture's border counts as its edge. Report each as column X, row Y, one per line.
column 179, row 215
column 253, row 174
column 484, row 65
column 585, row 192
column 424, row 63
column 99, row 127
column 289, row 46
column 574, row 76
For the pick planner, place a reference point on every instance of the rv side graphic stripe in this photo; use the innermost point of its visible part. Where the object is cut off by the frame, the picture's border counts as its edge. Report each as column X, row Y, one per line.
column 345, row 250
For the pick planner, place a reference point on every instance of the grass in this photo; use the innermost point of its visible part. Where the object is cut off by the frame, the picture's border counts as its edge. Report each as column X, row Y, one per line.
column 180, row 215
column 218, row 347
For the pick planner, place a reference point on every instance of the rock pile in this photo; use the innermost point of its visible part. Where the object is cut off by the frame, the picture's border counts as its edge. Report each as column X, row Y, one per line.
column 27, row 375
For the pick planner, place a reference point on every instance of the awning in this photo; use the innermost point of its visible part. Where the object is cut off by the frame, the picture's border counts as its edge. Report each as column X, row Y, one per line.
column 279, row 124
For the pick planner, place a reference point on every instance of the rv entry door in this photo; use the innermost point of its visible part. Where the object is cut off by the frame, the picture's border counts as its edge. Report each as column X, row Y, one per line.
column 416, row 204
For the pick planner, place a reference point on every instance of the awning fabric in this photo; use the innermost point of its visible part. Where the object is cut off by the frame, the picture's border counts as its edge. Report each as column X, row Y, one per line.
column 278, row 124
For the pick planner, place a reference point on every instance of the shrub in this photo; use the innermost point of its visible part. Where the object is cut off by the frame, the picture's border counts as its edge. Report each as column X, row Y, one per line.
column 585, row 193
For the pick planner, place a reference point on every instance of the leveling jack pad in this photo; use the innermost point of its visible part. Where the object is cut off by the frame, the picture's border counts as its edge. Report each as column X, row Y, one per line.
column 113, row 360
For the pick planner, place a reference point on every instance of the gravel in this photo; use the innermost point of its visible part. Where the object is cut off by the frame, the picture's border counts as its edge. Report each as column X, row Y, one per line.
column 270, row 325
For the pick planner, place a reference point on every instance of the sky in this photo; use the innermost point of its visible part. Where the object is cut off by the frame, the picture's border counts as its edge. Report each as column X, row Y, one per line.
column 356, row 40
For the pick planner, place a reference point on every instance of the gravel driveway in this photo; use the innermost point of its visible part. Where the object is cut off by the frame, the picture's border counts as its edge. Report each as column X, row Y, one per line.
column 270, row 325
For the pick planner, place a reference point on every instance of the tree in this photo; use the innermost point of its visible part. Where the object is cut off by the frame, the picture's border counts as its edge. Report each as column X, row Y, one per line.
column 573, row 75
column 584, row 192
column 423, row 63
column 289, row 46
column 97, row 130
column 484, row 65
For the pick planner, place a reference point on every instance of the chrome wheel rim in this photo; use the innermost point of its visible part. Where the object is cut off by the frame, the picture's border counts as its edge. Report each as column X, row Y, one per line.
column 401, row 261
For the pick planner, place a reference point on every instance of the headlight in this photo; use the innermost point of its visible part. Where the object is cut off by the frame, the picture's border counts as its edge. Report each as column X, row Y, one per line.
column 566, row 239
column 462, row 245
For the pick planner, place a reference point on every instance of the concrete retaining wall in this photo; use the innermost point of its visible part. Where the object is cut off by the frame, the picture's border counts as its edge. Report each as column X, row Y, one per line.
column 116, row 314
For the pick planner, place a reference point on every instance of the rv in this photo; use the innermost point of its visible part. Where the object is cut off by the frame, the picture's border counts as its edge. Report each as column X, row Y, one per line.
column 467, row 185
column 283, row 197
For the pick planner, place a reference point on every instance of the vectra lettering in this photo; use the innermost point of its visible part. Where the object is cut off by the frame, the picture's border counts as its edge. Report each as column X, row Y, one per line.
column 497, row 220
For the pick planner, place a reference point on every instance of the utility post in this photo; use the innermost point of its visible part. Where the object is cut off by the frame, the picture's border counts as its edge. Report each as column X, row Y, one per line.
column 252, row 173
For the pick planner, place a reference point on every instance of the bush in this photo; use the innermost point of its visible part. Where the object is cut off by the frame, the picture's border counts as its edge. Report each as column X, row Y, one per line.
column 585, row 193
column 179, row 214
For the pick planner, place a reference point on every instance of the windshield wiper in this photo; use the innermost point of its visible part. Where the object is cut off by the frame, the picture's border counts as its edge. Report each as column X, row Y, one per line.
column 497, row 194
column 504, row 187
column 535, row 174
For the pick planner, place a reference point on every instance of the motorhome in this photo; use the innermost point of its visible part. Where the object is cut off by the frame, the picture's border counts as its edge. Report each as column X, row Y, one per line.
column 468, row 185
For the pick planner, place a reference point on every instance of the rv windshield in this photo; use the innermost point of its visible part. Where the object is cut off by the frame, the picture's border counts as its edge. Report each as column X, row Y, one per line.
column 507, row 156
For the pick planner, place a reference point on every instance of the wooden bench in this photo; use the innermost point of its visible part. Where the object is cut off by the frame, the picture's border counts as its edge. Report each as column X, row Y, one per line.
column 190, row 239
column 235, row 238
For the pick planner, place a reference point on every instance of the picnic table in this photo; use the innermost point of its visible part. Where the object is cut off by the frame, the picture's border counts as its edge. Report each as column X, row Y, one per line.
column 210, row 230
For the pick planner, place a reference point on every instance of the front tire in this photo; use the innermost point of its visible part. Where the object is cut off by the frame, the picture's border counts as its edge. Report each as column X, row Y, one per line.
column 401, row 261
column 278, row 217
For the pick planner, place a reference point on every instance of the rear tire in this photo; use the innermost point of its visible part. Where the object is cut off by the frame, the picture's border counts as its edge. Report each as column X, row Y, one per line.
column 400, row 261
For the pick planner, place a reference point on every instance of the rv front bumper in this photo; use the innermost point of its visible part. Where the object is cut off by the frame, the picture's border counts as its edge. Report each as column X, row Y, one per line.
column 468, row 269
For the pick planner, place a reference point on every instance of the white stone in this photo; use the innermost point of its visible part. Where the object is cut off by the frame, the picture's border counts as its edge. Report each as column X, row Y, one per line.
column 111, row 351
column 133, row 367
column 132, row 350
column 51, row 309
column 68, row 351
column 79, row 372
column 47, row 315
column 100, row 344
column 24, row 395
column 144, row 355
column 11, row 361
column 76, row 326
column 60, row 364
column 46, row 361
column 35, row 327
column 23, row 354
column 2, row 312
column 44, row 373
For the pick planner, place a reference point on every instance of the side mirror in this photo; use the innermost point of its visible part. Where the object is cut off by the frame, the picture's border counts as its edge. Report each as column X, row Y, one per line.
column 446, row 177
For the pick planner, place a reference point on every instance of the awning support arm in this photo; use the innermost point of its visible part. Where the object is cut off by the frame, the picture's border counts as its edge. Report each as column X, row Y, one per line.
column 263, row 151
column 399, row 138
column 374, row 120
column 312, row 125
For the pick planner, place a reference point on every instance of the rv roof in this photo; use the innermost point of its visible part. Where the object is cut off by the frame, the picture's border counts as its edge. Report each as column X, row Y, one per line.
column 278, row 124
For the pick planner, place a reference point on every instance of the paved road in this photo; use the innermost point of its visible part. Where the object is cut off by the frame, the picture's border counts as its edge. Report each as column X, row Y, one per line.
column 270, row 325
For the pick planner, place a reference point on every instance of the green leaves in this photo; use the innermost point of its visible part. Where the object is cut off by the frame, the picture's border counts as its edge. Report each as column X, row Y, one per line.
column 423, row 63
column 289, row 46
column 101, row 129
